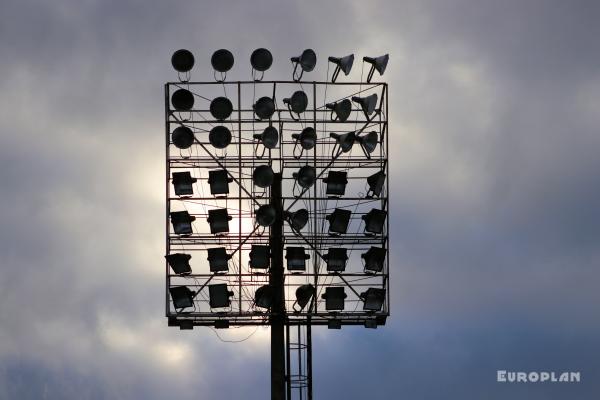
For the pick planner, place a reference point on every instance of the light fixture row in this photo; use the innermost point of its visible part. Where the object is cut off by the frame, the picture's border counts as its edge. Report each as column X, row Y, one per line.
column 334, row 296
column 261, row 59
column 218, row 220
column 259, row 259
column 264, row 108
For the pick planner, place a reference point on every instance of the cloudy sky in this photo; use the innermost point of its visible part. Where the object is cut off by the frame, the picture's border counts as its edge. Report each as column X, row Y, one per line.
column 495, row 108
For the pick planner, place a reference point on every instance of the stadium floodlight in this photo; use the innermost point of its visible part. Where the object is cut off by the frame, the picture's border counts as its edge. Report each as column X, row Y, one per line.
column 183, row 183
column 297, row 103
column 222, row 61
column 297, row 219
column 221, row 108
column 217, row 259
column 218, row 219
column 296, row 258
column 338, row 221
column 259, row 256
column 183, row 296
column 374, row 221
column 219, row 181
column 182, row 60
column 334, row 298
column 368, row 142
column 179, row 263
column 367, row 104
column 182, row 222
column 306, row 176
column 266, row 215
column 336, row 259
column 219, row 136
column 336, row 183
column 261, row 60
column 375, row 183
column 263, row 176
column 182, row 100
column 264, row 107
column 340, row 110
column 377, row 63
column 263, row 297
column 374, row 259
column 344, row 142
column 341, row 64
column 371, row 324
column 307, row 61
column 303, row 295
column 182, row 137
column 269, row 137
column 218, row 295
column 307, row 139
column 373, row 299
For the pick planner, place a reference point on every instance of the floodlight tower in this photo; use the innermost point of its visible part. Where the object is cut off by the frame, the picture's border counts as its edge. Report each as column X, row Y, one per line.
column 277, row 204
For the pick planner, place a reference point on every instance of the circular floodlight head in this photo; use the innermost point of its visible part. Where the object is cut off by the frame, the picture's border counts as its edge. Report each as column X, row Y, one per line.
column 263, row 176
column 298, row 219
column 270, row 137
column 306, row 176
column 298, row 102
column 266, row 215
column 307, row 60
column 261, row 59
column 182, row 99
column 182, row 60
column 264, row 107
column 342, row 109
column 221, row 108
column 303, row 295
column 182, row 137
column 307, row 138
column 219, row 137
column 369, row 141
column 222, row 60
column 264, row 296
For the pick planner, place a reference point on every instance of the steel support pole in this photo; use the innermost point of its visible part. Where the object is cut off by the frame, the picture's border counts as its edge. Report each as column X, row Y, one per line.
column 277, row 320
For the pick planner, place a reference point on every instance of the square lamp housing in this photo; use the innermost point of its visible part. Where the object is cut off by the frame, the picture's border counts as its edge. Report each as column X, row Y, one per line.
column 374, row 259
column 373, row 299
column 334, row 298
column 336, row 183
column 218, row 220
column 219, row 295
column 183, row 183
column 182, row 222
column 259, row 256
column 375, row 221
column 182, row 296
column 336, row 259
column 217, row 259
column 218, row 181
column 339, row 220
column 180, row 263
column 296, row 258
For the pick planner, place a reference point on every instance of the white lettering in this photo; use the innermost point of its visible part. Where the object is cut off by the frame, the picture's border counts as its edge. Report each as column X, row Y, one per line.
column 501, row 376
column 575, row 376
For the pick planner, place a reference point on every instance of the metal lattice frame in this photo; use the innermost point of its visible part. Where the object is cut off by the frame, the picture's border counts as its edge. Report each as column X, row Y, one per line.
column 240, row 158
